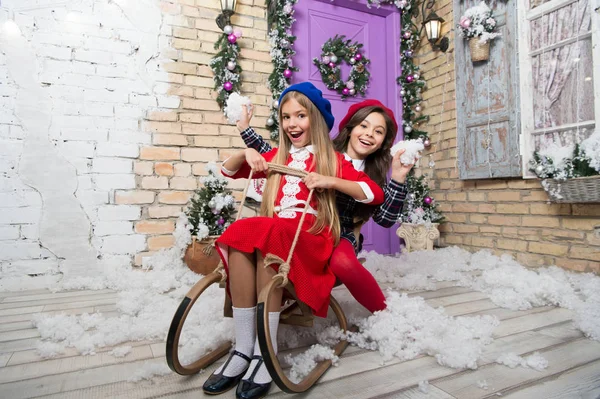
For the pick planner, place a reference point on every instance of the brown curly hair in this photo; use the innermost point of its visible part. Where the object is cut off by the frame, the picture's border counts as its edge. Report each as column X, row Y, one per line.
column 378, row 163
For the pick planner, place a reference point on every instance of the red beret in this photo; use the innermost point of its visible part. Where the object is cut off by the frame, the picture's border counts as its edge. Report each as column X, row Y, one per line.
column 367, row 103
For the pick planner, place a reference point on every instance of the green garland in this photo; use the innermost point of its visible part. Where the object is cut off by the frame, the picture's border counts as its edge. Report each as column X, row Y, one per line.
column 280, row 18
column 336, row 50
column 225, row 68
column 410, row 80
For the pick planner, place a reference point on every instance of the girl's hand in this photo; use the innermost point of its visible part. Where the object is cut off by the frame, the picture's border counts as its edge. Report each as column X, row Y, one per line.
column 255, row 160
column 399, row 170
column 244, row 122
column 315, row 180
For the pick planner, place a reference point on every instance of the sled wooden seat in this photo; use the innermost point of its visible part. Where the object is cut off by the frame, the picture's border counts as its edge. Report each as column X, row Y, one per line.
column 296, row 313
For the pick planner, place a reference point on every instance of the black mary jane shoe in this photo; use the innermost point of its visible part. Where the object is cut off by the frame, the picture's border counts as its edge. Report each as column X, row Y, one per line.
column 219, row 383
column 248, row 389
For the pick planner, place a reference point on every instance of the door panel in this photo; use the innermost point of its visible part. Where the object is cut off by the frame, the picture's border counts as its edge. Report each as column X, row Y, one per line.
column 377, row 30
column 487, row 97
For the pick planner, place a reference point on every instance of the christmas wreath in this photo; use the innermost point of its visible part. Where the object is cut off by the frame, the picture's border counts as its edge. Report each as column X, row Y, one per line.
column 336, row 50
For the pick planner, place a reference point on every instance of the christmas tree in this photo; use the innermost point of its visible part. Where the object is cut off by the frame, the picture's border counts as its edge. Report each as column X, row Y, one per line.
column 419, row 207
column 211, row 209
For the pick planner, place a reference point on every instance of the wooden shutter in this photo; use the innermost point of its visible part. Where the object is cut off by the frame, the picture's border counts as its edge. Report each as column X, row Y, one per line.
column 487, row 99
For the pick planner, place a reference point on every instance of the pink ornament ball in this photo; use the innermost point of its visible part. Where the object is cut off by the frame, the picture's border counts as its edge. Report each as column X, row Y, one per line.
column 228, row 86
column 331, row 65
column 428, row 200
column 427, row 143
column 407, row 35
column 346, row 91
column 237, row 32
column 409, row 78
column 358, row 57
column 232, row 38
column 287, row 73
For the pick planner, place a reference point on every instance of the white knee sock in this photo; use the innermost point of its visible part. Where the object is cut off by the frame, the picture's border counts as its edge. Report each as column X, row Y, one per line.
column 262, row 376
column 244, row 320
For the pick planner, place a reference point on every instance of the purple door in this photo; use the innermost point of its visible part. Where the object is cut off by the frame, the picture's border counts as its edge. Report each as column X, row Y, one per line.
column 379, row 31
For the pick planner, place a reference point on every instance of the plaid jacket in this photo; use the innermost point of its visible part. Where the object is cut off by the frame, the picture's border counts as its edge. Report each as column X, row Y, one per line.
column 384, row 215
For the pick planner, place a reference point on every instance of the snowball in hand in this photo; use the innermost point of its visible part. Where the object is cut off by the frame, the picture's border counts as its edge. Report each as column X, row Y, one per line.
column 233, row 109
column 412, row 147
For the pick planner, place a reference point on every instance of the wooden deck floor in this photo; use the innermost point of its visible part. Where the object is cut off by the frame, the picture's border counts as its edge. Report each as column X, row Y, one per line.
column 573, row 370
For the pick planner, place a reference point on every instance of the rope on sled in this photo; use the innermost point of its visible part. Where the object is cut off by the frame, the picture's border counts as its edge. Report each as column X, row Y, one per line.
column 270, row 259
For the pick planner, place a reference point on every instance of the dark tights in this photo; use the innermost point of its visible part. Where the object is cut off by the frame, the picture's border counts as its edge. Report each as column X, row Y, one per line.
column 361, row 284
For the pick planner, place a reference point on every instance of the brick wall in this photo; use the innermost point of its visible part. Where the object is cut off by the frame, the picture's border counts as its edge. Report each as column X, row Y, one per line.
column 126, row 109
column 186, row 138
column 504, row 215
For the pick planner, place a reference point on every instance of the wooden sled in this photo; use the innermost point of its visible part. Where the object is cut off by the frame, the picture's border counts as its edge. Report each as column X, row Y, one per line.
column 298, row 314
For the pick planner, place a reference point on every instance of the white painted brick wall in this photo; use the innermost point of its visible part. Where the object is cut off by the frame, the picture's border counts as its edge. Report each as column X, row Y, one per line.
column 125, row 244
column 88, row 68
column 30, row 267
column 102, row 229
column 9, row 232
column 119, row 212
column 112, row 165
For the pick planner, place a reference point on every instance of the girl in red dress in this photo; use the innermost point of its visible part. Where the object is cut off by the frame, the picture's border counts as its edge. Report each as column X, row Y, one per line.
column 305, row 120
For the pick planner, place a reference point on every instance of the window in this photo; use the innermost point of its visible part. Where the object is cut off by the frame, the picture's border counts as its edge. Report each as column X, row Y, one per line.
column 559, row 61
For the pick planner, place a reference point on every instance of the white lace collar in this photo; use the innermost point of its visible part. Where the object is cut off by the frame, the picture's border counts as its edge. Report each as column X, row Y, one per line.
column 308, row 148
column 359, row 164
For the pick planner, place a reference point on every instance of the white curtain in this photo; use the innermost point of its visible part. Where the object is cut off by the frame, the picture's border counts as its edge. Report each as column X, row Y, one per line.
column 552, row 68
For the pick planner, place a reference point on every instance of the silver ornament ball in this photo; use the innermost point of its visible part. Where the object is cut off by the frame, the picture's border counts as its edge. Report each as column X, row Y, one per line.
column 539, row 169
column 231, row 65
column 352, row 92
column 275, row 103
column 407, row 129
column 418, row 108
column 402, row 93
column 352, row 61
column 334, row 58
column 416, row 76
column 270, row 122
column 228, row 29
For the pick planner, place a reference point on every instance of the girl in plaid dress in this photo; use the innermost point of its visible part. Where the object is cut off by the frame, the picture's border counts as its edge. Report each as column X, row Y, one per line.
column 305, row 120
column 367, row 133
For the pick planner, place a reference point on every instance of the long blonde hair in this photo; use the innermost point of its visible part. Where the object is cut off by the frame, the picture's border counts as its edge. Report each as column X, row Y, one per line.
column 325, row 163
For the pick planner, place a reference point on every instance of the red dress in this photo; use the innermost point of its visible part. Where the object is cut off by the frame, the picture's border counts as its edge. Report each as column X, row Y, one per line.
column 309, row 272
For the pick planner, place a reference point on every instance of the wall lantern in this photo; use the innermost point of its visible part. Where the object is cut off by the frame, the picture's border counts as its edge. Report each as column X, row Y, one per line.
column 227, row 10
column 433, row 29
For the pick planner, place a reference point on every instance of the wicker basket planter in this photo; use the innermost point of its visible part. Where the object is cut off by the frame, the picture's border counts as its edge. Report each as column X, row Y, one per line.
column 418, row 237
column 577, row 190
column 479, row 51
column 201, row 256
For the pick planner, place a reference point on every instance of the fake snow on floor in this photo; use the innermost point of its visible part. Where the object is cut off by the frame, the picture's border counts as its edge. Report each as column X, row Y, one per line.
column 408, row 328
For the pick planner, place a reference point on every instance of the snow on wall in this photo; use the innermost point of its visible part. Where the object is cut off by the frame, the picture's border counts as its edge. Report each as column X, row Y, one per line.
column 76, row 79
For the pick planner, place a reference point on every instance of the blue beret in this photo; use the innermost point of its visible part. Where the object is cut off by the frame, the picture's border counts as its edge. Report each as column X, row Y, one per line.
column 316, row 97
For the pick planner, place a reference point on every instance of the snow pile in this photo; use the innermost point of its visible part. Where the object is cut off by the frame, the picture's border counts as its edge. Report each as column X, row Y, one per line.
column 534, row 361
column 306, row 361
column 409, row 328
column 146, row 303
column 149, row 370
column 121, row 351
column 233, row 109
column 412, row 153
column 508, row 284
column 424, row 386
column 590, row 148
